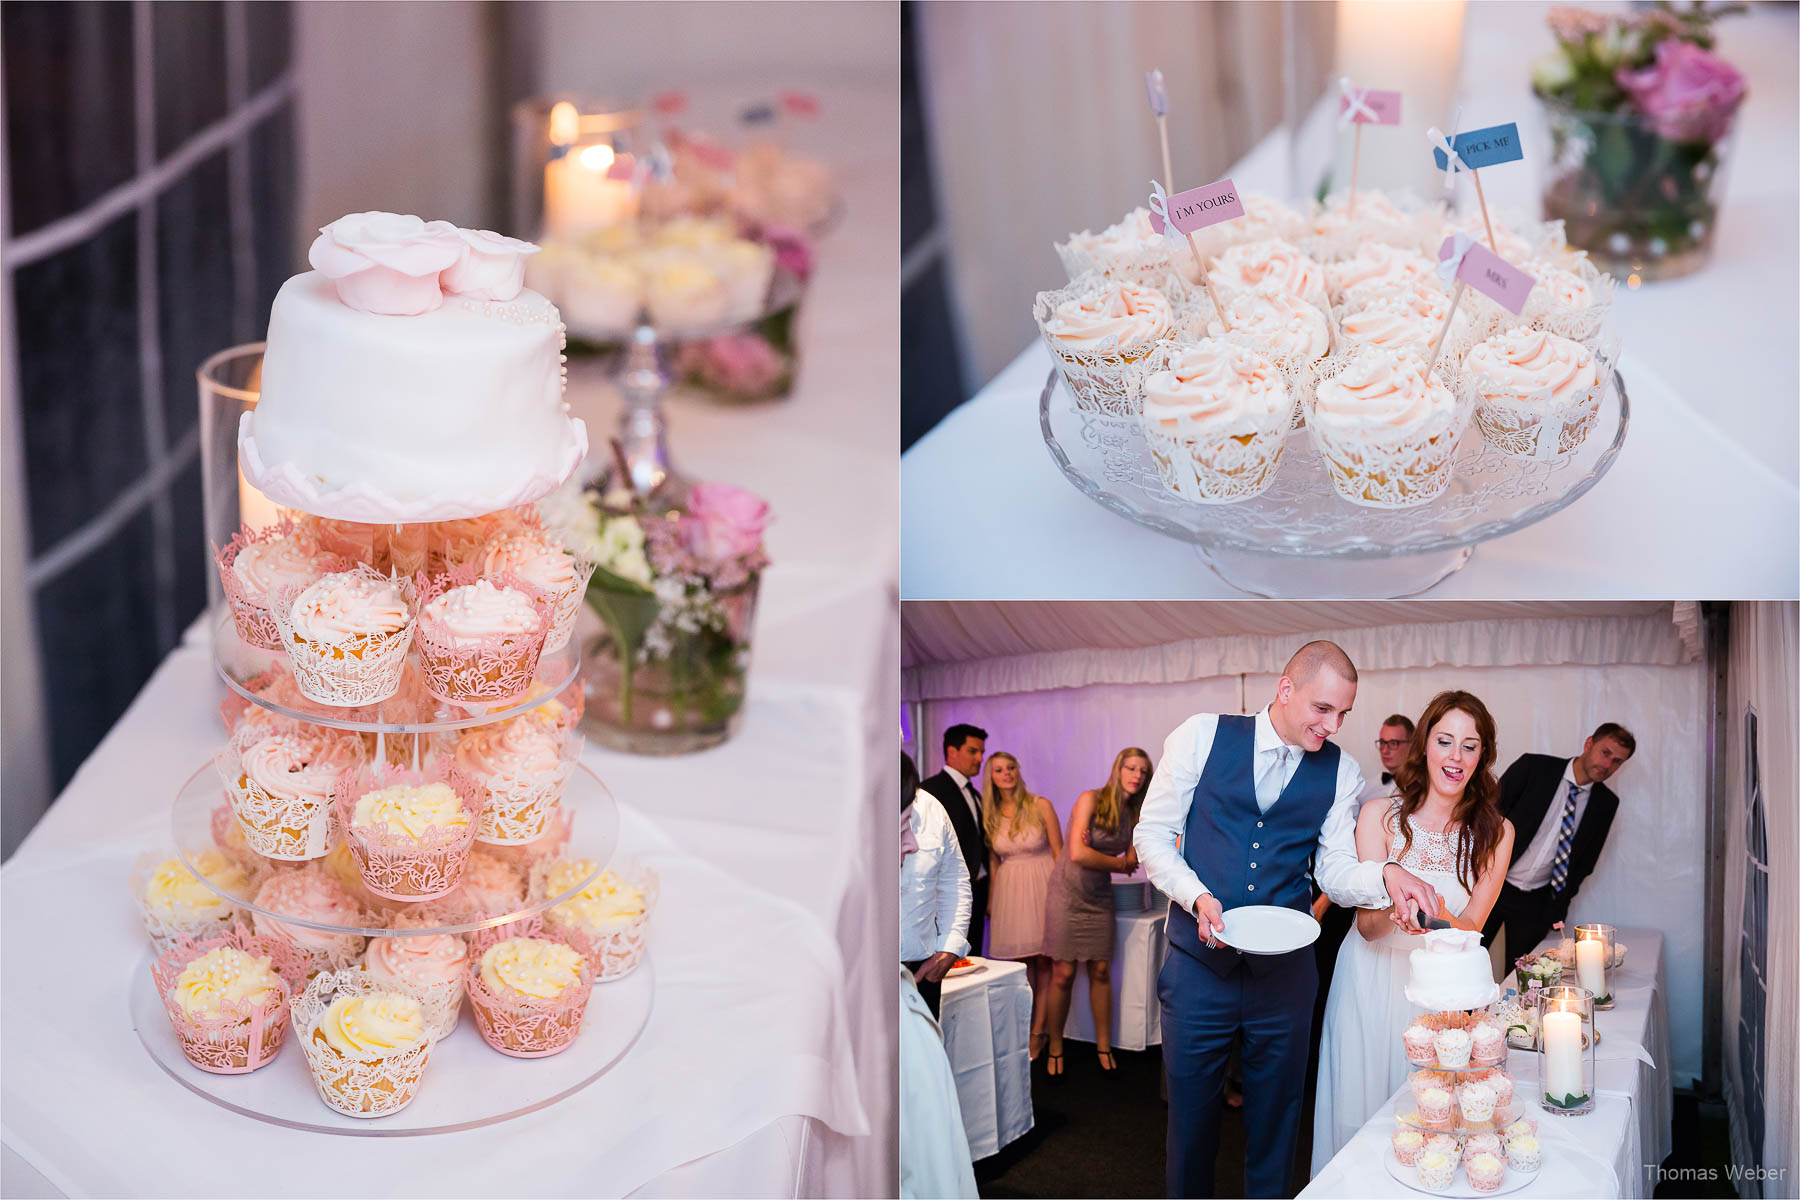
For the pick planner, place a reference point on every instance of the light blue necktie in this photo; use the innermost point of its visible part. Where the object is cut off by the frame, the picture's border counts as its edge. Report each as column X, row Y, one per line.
column 1559, row 866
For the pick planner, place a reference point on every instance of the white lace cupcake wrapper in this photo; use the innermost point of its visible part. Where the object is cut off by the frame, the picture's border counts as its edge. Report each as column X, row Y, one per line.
column 365, row 670
column 1219, row 468
column 518, row 811
column 291, row 828
column 371, row 1086
column 1107, row 378
column 1534, row 427
column 1394, row 470
column 612, row 953
column 168, row 926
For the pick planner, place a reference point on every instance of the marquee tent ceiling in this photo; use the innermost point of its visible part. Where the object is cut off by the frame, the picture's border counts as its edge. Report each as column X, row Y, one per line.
column 935, row 631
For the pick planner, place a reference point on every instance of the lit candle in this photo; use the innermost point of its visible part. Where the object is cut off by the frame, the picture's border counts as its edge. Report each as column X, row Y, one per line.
column 578, row 197
column 1409, row 46
column 1590, row 966
column 1561, row 1033
column 255, row 510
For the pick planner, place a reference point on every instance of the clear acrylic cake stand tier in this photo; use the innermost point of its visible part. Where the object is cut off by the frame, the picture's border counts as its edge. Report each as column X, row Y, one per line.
column 1300, row 538
column 467, row 1083
column 593, row 835
column 239, row 663
column 644, row 381
column 1459, row 1184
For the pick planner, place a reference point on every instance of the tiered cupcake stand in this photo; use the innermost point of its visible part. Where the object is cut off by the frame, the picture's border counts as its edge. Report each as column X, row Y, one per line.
column 1461, row 1128
column 467, row 1083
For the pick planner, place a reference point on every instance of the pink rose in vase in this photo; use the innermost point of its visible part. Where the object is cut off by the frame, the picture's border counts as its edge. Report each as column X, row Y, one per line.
column 1689, row 94
column 385, row 262
column 739, row 364
column 724, row 522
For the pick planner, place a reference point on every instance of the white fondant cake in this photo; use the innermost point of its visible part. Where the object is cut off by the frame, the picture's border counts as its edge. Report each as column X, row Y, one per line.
column 367, row 417
column 1451, row 972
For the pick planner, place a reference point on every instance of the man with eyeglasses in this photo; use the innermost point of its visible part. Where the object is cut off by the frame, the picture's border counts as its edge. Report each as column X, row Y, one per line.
column 1391, row 743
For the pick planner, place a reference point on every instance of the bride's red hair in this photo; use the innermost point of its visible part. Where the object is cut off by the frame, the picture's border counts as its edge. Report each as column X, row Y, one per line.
column 1477, row 814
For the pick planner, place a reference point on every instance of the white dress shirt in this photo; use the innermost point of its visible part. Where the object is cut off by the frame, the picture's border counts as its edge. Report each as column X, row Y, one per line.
column 935, row 896
column 964, row 787
column 1532, row 870
column 1342, row 877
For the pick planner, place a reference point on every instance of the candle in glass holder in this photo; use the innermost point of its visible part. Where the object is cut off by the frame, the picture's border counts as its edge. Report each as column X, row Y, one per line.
column 1590, row 966
column 579, row 195
column 255, row 510
column 1561, row 1034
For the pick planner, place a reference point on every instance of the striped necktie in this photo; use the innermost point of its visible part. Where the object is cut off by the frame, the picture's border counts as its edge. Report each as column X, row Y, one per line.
column 1559, row 866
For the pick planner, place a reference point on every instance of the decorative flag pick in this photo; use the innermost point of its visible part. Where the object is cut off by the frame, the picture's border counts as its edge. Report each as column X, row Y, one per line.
column 1159, row 104
column 1196, row 208
column 1470, row 264
column 1359, row 107
column 1470, row 152
column 760, row 113
column 668, row 104
column 800, row 104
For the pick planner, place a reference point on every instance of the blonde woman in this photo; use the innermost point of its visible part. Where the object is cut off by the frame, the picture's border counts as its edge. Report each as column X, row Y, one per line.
column 1024, row 842
column 1078, row 924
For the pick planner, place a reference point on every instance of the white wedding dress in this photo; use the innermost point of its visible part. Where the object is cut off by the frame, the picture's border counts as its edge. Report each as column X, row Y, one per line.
column 1362, row 1060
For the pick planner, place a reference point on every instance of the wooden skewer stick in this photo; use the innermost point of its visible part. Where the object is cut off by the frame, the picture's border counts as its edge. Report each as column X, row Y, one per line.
column 1206, row 282
column 1444, row 332
column 1355, row 162
column 1492, row 244
column 1162, row 129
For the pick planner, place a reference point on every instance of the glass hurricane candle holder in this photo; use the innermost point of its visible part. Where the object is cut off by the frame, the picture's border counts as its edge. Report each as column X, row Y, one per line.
column 1593, row 961
column 1566, row 1051
column 230, row 384
column 579, row 165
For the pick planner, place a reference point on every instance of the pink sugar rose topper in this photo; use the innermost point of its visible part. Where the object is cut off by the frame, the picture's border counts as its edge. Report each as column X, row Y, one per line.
column 387, row 263
column 491, row 268
column 724, row 522
column 1689, row 94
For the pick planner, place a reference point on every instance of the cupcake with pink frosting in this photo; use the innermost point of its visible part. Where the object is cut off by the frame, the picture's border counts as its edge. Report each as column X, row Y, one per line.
column 1379, row 265
column 255, row 567
column 1406, row 316
column 539, row 560
column 1270, row 262
column 1293, row 333
column 346, row 637
column 479, row 642
column 521, row 766
column 490, row 887
column 280, row 788
column 1129, row 250
column 1216, row 418
column 1099, row 330
column 1388, row 434
column 435, row 963
column 1339, row 231
column 1536, row 394
column 310, row 894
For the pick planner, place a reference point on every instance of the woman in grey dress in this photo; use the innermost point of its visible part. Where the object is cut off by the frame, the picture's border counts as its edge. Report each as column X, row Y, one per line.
column 1078, row 920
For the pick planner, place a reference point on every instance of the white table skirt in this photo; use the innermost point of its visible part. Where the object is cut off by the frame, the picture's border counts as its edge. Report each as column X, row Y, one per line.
column 1137, row 957
column 986, row 1018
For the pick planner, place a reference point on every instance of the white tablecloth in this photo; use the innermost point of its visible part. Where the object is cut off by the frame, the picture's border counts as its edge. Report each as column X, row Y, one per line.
column 1137, row 957
column 986, row 1017
column 773, row 1030
column 1709, row 361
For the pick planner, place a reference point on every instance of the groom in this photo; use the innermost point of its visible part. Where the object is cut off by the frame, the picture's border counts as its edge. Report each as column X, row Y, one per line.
column 1236, row 808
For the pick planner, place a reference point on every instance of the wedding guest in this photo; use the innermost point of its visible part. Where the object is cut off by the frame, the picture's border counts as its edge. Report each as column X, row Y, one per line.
column 956, row 789
column 1562, row 809
column 1444, row 825
column 1211, row 821
column 934, row 888
column 1078, row 920
column 934, row 1146
column 1390, row 747
column 1024, row 842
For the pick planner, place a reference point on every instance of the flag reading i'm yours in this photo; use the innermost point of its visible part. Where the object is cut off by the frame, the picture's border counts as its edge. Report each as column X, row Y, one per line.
column 1199, row 207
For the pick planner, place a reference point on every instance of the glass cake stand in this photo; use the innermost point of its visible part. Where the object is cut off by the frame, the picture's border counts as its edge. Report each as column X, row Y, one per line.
column 586, row 804
column 1299, row 537
column 467, row 1083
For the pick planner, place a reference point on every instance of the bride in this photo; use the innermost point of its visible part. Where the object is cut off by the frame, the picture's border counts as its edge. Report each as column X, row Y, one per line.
column 1444, row 825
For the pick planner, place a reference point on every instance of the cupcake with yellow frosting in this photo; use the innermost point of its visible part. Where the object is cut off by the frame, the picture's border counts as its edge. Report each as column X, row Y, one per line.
column 409, row 831
column 1387, row 433
column 365, row 1040
column 1100, row 330
column 1216, row 418
column 608, row 918
column 227, row 998
column 683, row 292
column 176, row 901
column 1536, row 395
column 528, row 987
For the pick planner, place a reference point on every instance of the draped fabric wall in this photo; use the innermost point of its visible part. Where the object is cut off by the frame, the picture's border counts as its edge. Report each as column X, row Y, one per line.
column 1065, row 740
column 1762, row 895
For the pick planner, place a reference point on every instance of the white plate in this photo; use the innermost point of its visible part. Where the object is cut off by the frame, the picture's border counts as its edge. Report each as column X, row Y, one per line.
column 1268, row 929
column 974, row 966
column 1459, row 1183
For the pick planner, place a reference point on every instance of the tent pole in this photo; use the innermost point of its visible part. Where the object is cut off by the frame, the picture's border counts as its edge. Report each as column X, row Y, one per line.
column 1717, row 626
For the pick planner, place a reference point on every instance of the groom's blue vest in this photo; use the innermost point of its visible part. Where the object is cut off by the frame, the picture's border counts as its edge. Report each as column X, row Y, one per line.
column 1243, row 855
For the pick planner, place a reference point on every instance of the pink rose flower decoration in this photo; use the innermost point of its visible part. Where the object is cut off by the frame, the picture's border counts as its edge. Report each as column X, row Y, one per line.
column 385, row 262
column 743, row 364
column 724, row 522
column 491, row 268
column 1689, row 94
column 792, row 250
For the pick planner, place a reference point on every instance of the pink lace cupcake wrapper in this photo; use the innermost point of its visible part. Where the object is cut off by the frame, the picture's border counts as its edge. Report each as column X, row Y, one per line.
column 524, row 1026
column 252, row 611
column 366, row 1086
column 243, row 1037
column 398, row 867
column 479, row 671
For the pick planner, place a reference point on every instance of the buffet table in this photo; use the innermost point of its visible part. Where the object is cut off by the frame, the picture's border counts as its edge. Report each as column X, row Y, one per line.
column 772, row 955
column 986, row 1019
column 1722, row 420
column 1137, row 958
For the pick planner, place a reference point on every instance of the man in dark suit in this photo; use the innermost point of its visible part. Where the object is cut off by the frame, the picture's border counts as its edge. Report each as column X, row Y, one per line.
column 958, row 788
column 1561, row 810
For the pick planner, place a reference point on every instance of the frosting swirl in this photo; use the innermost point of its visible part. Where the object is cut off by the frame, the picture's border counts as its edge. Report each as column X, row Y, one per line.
column 410, row 811
column 378, row 1024
column 1378, row 263
column 1118, row 314
column 1532, row 365
column 522, row 750
column 435, row 958
column 174, row 892
column 531, row 967
column 1130, row 237
column 490, row 885
column 606, row 903
column 1270, row 262
column 312, row 896
column 348, row 605
column 1507, row 244
column 1264, row 217
column 224, row 975
column 267, row 566
column 1279, row 323
column 481, row 610
column 1380, row 390
column 1558, row 287
column 290, row 766
column 533, row 558
column 1215, row 387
